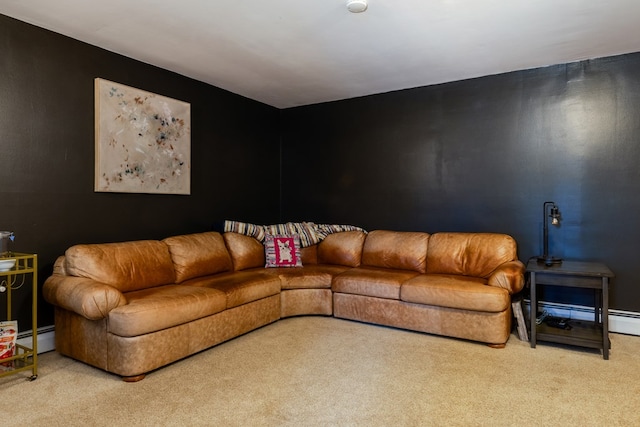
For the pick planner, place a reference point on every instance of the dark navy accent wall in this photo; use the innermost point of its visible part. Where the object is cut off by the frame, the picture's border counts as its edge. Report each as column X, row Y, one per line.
column 47, row 153
column 483, row 155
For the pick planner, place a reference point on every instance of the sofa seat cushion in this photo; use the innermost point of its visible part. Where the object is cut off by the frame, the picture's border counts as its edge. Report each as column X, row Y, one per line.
column 241, row 287
column 317, row 276
column 453, row 291
column 372, row 281
column 162, row 307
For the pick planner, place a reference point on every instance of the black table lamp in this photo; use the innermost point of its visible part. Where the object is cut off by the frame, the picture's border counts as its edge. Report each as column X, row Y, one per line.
column 555, row 220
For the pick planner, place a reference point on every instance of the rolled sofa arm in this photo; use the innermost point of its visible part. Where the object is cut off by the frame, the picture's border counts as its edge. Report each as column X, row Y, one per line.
column 88, row 298
column 509, row 276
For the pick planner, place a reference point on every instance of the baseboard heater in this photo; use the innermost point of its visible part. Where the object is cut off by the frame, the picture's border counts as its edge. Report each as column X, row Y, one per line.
column 46, row 338
column 621, row 322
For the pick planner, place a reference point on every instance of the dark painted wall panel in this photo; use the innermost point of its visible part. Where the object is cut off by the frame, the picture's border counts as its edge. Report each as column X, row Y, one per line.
column 483, row 155
column 47, row 153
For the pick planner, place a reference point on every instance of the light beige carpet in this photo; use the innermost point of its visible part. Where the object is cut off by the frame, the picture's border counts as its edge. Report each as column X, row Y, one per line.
column 317, row 371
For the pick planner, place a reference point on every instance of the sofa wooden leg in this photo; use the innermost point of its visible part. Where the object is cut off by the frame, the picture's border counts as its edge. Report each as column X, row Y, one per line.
column 503, row 345
column 134, row 378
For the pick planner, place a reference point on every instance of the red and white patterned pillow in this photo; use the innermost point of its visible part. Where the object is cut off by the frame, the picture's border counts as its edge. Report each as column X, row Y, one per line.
column 282, row 250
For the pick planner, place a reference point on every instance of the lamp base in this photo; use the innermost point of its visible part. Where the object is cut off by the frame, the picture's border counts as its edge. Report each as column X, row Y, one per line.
column 549, row 260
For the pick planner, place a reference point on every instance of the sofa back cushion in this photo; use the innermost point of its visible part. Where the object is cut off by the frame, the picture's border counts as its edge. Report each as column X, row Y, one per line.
column 309, row 255
column 469, row 254
column 403, row 250
column 246, row 251
column 342, row 248
column 199, row 254
column 127, row 266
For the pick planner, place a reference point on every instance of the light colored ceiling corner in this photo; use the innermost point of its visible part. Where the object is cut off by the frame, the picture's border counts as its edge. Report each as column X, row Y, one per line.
column 288, row 53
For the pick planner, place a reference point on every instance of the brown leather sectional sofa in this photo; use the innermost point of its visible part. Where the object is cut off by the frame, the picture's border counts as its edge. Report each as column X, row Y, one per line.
column 132, row 307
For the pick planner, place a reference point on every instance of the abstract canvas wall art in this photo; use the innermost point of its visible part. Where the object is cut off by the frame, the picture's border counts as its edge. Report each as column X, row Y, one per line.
column 143, row 141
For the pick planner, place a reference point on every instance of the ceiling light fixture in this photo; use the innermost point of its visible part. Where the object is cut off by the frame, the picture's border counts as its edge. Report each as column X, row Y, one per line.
column 356, row 6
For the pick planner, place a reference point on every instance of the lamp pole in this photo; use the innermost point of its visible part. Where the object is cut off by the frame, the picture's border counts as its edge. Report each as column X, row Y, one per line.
column 555, row 220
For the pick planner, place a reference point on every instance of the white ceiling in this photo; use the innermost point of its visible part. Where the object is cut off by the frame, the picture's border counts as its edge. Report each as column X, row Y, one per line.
column 295, row 52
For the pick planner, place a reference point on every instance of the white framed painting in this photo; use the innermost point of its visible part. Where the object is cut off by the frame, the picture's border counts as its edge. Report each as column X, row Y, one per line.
column 143, row 141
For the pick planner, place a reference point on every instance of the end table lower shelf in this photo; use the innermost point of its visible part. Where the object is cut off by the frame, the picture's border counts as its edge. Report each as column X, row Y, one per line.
column 582, row 333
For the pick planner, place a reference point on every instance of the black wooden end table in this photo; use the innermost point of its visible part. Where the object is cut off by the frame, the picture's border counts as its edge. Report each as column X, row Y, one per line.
column 573, row 274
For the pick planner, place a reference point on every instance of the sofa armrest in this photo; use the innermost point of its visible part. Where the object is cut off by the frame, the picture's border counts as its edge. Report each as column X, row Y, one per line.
column 86, row 297
column 509, row 276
